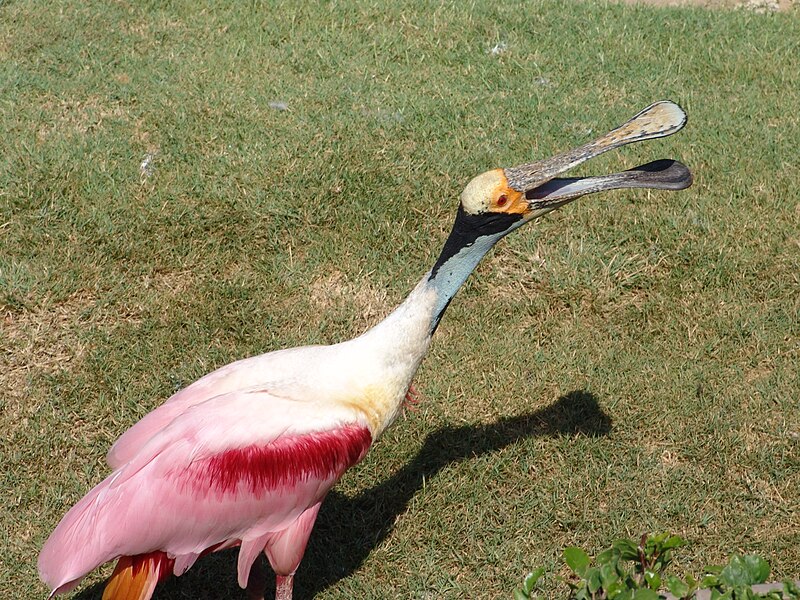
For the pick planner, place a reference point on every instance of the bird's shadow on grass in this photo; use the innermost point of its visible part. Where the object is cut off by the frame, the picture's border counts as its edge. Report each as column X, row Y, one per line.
column 348, row 529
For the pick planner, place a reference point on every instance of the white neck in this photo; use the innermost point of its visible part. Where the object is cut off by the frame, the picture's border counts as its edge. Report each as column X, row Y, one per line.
column 401, row 340
column 390, row 353
column 404, row 335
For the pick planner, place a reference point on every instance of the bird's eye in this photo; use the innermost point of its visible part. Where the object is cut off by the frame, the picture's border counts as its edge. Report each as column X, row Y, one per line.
column 502, row 200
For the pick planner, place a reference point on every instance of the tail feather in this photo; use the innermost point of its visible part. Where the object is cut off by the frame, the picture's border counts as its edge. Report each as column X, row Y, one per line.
column 135, row 577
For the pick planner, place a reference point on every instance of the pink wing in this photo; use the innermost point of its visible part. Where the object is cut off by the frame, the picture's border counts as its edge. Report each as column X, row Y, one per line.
column 224, row 380
column 239, row 375
column 234, row 469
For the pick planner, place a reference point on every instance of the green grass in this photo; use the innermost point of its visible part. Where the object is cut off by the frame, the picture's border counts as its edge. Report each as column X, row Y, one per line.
column 629, row 364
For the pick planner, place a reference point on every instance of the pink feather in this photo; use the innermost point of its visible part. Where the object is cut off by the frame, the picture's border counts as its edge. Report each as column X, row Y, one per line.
column 234, row 469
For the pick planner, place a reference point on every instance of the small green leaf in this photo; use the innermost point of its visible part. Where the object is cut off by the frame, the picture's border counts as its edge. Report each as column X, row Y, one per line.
column 577, row 560
column 627, row 549
column 673, row 542
column 653, row 579
column 613, row 590
column 520, row 595
column 531, row 579
column 606, row 556
column 736, row 572
column 593, row 579
column 745, row 592
column 645, row 594
column 659, row 538
column 661, row 564
column 677, row 587
column 608, row 574
column 757, row 568
column 791, row 590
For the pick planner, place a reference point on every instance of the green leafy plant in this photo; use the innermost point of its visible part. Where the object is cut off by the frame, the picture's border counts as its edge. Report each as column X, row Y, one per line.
column 626, row 571
column 524, row 593
column 734, row 580
column 637, row 571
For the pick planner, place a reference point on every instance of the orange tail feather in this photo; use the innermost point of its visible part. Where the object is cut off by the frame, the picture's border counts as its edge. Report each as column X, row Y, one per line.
column 135, row 577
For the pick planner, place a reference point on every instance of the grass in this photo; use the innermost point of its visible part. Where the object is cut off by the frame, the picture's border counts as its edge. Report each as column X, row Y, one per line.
column 628, row 364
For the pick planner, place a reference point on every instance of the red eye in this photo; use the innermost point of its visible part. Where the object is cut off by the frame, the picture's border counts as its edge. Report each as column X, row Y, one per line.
column 502, row 200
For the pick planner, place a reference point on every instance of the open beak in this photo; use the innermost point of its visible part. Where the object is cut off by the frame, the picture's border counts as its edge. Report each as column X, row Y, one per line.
column 545, row 192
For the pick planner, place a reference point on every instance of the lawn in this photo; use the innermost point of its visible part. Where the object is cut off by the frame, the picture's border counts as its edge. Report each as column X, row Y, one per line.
column 183, row 184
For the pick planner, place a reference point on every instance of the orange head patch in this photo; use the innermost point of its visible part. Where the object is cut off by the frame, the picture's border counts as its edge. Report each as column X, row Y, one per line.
column 490, row 192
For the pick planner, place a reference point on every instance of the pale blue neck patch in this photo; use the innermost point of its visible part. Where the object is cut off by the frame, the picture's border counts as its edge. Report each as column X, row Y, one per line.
column 452, row 274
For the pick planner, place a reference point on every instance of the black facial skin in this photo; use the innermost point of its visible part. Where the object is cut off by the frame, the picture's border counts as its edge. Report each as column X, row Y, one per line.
column 467, row 228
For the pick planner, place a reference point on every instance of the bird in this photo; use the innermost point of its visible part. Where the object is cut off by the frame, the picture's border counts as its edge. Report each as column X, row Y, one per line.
column 246, row 455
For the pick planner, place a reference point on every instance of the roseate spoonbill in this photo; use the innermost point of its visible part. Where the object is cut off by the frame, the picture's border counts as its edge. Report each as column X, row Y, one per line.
column 245, row 456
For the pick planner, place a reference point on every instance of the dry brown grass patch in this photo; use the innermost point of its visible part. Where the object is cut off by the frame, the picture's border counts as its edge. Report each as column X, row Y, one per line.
column 66, row 118
column 41, row 340
column 46, row 340
column 759, row 6
column 334, row 292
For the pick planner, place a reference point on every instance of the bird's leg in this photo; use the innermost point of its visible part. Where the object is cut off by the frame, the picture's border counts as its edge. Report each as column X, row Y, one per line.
column 412, row 398
column 257, row 581
column 285, row 551
column 283, row 587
